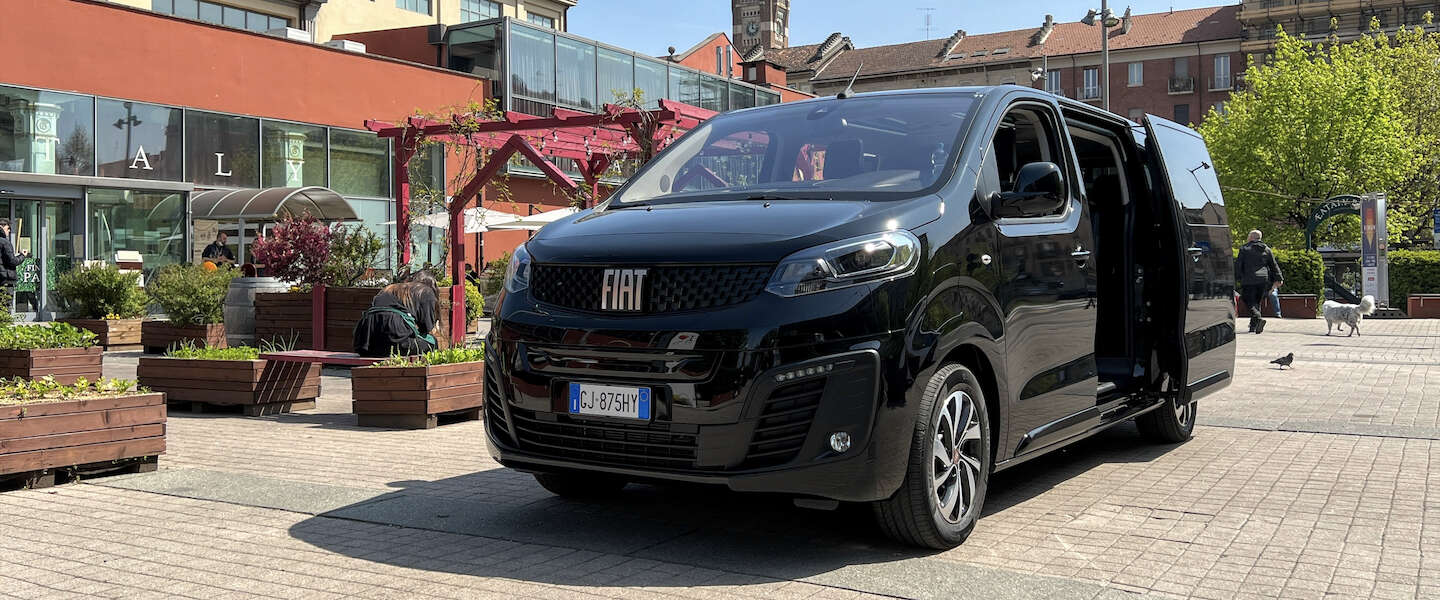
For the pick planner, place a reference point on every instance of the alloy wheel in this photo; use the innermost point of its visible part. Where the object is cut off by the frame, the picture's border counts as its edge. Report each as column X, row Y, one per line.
column 956, row 463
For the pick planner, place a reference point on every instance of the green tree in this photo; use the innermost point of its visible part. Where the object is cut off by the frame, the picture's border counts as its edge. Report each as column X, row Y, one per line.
column 1316, row 120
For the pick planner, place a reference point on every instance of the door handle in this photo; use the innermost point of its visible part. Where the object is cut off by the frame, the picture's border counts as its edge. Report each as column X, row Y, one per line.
column 1195, row 253
column 1081, row 256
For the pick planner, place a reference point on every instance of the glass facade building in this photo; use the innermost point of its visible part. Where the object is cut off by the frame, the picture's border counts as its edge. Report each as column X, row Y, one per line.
column 129, row 160
column 536, row 69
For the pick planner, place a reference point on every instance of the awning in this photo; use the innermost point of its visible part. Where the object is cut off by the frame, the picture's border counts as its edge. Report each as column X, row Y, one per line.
column 270, row 204
column 477, row 220
column 535, row 222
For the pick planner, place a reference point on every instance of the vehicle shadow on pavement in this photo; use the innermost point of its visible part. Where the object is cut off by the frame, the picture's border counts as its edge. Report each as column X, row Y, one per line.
column 484, row 519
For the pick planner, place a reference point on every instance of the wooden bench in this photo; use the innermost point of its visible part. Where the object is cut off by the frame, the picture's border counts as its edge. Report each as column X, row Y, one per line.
column 324, row 357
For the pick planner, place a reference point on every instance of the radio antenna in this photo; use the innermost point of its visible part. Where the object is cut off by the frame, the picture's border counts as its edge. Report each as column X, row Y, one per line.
column 850, row 87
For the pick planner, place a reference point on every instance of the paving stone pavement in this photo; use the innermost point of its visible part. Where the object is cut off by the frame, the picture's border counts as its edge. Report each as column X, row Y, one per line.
column 1317, row 482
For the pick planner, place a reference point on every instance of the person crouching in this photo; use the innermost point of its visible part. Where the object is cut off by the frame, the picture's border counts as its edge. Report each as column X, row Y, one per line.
column 400, row 319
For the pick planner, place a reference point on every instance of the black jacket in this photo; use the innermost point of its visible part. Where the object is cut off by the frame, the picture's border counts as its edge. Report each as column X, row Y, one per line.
column 382, row 333
column 8, row 261
column 1255, row 265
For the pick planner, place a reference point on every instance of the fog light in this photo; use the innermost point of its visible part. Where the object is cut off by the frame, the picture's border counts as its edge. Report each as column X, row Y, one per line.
column 840, row 441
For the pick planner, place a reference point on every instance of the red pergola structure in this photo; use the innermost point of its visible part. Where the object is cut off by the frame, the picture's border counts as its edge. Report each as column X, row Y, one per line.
column 593, row 141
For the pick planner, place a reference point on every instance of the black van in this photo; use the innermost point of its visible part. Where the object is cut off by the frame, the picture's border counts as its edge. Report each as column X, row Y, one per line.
column 882, row 298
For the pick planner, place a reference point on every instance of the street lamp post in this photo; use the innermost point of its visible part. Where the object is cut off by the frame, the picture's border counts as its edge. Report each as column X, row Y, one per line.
column 1107, row 20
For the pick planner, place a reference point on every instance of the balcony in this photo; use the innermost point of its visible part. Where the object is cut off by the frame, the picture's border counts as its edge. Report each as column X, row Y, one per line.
column 1087, row 93
column 1182, row 85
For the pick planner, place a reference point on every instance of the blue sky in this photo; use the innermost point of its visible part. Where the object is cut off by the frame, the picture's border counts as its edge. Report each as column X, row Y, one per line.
column 650, row 25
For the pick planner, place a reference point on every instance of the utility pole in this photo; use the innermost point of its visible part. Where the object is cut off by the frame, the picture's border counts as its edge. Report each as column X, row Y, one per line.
column 1104, row 54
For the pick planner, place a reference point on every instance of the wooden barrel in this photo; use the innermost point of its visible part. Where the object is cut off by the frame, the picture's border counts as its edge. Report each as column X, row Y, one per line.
column 240, row 307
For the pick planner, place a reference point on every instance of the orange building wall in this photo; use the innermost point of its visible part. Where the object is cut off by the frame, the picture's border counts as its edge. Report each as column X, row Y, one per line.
column 703, row 59
column 407, row 43
column 109, row 50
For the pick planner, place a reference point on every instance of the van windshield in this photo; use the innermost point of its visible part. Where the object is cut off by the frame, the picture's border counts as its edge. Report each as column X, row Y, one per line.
column 875, row 144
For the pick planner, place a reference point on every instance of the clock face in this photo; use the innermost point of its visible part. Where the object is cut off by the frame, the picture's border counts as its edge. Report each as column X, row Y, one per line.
column 753, row 28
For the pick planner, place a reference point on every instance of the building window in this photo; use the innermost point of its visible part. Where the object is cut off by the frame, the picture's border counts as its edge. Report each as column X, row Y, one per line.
column 1182, row 67
column 478, row 10
column 1220, row 107
column 1052, row 81
column 46, row 132
column 152, row 223
column 1222, row 72
column 137, row 140
column 292, row 155
column 1136, row 114
column 541, row 20
column 729, row 62
column 218, row 14
column 719, row 60
column 359, row 164
column 1182, row 114
column 1091, row 88
column 222, row 150
column 1137, row 74
column 419, row 6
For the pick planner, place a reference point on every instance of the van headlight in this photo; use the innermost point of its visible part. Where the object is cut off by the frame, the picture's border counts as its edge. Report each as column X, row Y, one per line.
column 841, row 264
column 517, row 273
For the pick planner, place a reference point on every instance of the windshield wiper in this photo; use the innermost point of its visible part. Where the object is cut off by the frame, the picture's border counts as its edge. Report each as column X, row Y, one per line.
column 782, row 197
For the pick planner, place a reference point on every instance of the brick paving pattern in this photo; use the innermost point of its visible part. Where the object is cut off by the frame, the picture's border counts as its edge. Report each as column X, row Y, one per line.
column 1321, row 482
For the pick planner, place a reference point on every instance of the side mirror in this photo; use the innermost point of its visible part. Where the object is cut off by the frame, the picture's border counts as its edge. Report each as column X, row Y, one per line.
column 1039, row 191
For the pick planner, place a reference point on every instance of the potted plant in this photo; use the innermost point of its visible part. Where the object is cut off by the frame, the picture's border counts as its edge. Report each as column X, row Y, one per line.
column 104, row 300
column 48, row 427
column 56, row 350
column 193, row 296
column 329, row 267
column 412, row 392
column 231, row 377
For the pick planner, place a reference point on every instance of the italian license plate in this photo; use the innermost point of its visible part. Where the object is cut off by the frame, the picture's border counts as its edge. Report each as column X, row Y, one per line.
column 610, row 401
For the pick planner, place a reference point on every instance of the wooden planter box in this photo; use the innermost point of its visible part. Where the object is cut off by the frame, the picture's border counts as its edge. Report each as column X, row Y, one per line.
column 1423, row 306
column 111, row 334
column 35, row 439
column 1299, row 306
column 259, row 387
column 158, row 336
column 286, row 316
column 414, row 397
column 64, row 364
column 283, row 317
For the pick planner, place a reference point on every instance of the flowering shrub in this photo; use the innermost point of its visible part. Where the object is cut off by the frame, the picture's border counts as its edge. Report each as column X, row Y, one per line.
column 296, row 250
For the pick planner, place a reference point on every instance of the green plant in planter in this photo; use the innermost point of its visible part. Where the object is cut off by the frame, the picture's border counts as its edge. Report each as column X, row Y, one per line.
column 354, row 253
column 46, row 389
column 443, row 356
column 474, row 302
column 49, row 335
column 189, row 350
column 191, row 294
column 102, row 292
column 495, row 274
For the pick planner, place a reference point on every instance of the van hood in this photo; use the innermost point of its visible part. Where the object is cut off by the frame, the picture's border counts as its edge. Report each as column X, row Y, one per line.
column 719, row 231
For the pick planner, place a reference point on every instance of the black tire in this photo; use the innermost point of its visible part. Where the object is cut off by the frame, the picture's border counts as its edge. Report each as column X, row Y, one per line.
column 1168, row 424
column 914, row 514
column 580, row 485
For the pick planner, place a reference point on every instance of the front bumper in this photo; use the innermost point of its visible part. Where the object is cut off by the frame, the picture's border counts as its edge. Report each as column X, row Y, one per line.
column 757, row 421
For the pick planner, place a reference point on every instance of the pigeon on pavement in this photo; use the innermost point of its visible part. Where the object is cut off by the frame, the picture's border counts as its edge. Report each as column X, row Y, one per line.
column 1284, row 361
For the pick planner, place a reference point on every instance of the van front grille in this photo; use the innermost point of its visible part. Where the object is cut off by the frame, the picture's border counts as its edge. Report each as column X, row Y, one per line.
column 666, row 288
column 652, row 445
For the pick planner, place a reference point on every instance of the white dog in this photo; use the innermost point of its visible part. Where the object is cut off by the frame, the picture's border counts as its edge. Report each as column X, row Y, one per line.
column 1337, row 314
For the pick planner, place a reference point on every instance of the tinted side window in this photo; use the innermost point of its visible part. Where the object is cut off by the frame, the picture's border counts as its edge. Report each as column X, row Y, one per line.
column 1191, row 174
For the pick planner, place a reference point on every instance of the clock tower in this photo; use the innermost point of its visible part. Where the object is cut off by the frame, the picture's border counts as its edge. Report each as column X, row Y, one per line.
column 764, row 23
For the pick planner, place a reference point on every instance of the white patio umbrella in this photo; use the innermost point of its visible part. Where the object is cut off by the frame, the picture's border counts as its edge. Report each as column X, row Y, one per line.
column 477, row 220
column 535, row 222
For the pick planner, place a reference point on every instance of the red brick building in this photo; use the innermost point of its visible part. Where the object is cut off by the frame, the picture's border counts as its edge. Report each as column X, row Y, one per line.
column 1175, row 64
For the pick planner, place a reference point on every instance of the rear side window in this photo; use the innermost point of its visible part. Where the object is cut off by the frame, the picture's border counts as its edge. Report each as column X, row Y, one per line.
column 1191, row 174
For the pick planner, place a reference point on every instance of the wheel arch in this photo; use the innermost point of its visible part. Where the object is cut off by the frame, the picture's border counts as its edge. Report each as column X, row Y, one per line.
column 980, row 364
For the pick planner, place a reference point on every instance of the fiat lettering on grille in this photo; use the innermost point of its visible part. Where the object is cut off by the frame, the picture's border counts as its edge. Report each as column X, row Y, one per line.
column 620, row 289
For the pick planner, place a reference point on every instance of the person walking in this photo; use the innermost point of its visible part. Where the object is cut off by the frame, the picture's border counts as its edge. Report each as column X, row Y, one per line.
column 1259, row 275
